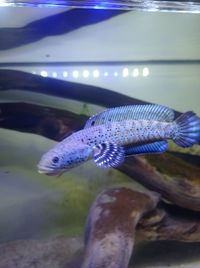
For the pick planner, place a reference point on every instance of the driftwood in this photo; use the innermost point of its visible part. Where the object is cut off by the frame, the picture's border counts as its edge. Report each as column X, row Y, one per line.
column 110, row 227
column 182, row 188
column 48, row 122
column 115, row 217
column 18, row 80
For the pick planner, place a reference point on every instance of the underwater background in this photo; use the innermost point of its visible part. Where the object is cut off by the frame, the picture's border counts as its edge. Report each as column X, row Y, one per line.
column 57, row 68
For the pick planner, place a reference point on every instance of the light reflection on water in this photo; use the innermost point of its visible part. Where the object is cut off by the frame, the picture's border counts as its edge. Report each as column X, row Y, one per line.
column 166, row 6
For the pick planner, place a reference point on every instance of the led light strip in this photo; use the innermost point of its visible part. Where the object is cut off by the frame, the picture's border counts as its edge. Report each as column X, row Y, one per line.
column 95, row 73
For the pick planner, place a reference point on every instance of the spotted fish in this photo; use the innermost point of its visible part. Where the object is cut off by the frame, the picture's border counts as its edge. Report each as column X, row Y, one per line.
column 116, row 133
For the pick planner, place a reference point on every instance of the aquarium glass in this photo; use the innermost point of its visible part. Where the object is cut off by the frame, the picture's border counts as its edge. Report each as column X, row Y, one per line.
column 58, row 67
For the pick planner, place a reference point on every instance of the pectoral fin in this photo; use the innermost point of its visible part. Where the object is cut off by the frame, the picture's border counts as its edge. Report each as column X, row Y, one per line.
column 108, row 155
column 155, row 147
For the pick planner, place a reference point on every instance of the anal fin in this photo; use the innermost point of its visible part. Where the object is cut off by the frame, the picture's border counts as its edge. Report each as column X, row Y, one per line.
column 148, row 148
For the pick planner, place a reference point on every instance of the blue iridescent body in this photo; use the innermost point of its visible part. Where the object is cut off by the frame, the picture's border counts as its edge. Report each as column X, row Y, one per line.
column 110, row 136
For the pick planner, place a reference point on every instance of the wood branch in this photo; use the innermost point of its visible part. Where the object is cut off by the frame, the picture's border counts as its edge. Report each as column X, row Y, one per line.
column 49, row 122
column 110, row 227
column 181, row 187
column 118, row 214
column 170, row 223
column 18, row 80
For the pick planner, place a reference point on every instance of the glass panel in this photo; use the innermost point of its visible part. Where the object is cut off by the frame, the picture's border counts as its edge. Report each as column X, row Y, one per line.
column 58, row 67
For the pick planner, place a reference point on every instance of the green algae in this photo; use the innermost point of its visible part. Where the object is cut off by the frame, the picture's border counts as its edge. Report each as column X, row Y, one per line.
column 76, row 195
column 174, row 166
column 194, row 150
column 65, row 201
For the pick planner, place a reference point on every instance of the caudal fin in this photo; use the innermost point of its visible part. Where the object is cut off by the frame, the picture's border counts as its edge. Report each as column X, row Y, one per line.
column 188, row 129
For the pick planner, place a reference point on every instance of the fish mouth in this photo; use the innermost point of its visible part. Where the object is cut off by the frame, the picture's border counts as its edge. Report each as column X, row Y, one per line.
column 48, row 171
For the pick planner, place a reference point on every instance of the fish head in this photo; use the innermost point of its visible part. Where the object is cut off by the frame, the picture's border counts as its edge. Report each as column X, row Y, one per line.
column 61, row 158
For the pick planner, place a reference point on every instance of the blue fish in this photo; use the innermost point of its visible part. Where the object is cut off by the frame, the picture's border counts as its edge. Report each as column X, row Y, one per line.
column 116, row 133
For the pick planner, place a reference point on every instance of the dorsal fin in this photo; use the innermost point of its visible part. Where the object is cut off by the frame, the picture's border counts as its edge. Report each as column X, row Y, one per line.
column 132, row 112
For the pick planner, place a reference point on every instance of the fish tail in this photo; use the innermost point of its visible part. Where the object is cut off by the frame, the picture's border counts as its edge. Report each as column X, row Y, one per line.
column 188, row 129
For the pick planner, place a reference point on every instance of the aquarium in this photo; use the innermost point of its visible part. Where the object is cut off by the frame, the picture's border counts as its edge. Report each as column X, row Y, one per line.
column 123, row 189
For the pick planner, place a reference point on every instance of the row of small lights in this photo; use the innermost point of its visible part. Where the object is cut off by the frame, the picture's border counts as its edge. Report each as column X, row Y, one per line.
column 96, row 73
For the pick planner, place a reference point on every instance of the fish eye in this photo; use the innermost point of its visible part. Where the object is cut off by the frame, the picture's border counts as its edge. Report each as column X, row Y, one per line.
column 55, row 160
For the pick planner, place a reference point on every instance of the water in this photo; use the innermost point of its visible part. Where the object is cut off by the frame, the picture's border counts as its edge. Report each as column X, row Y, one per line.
column 152, row 6
column 59, row 66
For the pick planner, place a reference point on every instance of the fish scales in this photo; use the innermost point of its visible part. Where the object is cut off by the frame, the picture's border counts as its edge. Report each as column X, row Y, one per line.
column 126, row 132
column 116, row 133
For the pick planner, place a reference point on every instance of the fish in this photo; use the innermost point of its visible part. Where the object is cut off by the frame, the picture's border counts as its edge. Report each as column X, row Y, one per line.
column 116, row 133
